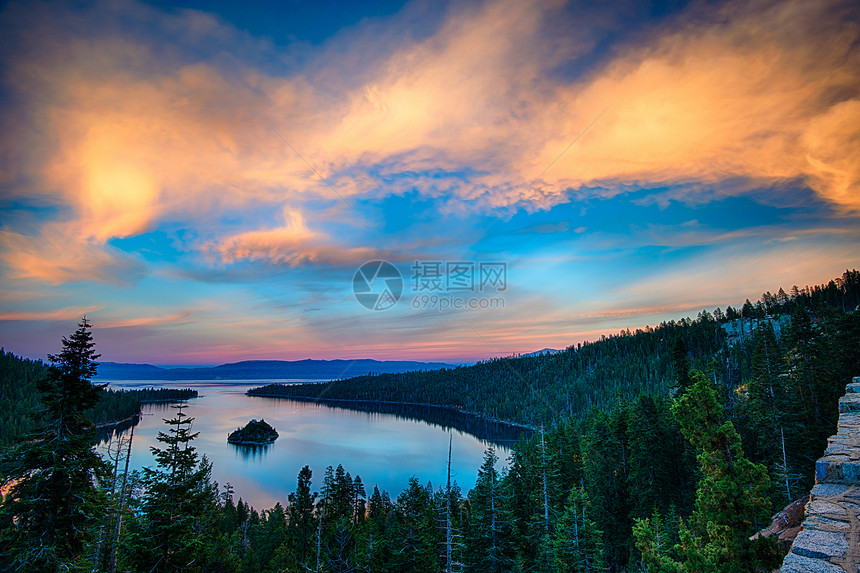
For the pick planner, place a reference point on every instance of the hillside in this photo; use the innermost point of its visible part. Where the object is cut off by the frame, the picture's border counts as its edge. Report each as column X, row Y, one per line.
column 543, row 388
column 265, row 369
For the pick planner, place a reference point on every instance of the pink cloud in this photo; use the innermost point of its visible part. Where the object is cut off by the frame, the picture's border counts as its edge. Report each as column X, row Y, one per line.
column 64, row 314
column 123, row 134
column 292, row 244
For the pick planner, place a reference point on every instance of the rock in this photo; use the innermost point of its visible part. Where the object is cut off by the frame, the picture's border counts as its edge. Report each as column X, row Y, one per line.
column 790, row 517
column 824, row 507
column 822, row 523
column 799, row 564
column 787, row 537
column 820, row 544
column 821, row 490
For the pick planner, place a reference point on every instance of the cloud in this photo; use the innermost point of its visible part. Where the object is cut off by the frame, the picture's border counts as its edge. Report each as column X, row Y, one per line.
column 171, row 319
column 126, row 117
column 757, row 91
column 65, row 314
column 292, row 244
column 58, row 255
column 726, row 274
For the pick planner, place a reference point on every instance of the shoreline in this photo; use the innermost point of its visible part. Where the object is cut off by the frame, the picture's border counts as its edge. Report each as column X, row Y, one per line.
column 134, row 419
column 454, row 409
column 250, row 442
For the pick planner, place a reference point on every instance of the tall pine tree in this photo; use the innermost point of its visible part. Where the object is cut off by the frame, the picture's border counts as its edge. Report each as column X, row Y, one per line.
column 488, row 531
column 731, row 500
column 577, row 543
column 177, row 519
column 51, row 509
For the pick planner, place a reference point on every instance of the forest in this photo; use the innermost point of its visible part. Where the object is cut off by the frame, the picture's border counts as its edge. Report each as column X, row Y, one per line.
column 661, row 449
column 19, row 399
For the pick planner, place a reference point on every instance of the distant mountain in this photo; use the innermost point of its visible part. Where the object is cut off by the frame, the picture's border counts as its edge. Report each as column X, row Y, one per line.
column 266, row 370
column 543, row 351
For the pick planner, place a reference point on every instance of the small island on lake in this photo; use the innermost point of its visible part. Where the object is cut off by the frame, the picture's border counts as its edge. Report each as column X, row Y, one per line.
column 254, row 433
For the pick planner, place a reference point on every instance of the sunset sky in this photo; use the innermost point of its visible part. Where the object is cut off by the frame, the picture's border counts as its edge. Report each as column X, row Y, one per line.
column 204, row 179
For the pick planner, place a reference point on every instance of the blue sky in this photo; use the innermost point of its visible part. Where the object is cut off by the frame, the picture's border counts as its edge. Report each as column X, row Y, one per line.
column 203, row 180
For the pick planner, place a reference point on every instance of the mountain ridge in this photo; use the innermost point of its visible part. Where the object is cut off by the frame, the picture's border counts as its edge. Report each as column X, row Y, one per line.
column 305, row 369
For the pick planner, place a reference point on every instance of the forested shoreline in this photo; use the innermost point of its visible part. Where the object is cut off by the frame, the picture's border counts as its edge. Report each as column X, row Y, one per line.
column 535, row 390
column 19, row 399
column 662, row 449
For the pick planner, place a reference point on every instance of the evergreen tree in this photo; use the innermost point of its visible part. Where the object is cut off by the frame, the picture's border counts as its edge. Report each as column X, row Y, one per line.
column 658, row 476
column 55, row 501
column 772, row 415
column 577, row 543
column 178, row 511
column 378, row 543
column 487, row 534
column 302, row 523
column 359, row 502
column 416, row 534
column 566, row 448
column 731, row 500
column 522, row 485
column 606, row 480
column 681, row 363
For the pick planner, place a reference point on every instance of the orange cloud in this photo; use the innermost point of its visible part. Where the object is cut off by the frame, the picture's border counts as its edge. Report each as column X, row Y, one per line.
column 293, row 244
column 144, row 320
column 757, row 91
column 58, row 255
column 124, row 135
column 73, row 313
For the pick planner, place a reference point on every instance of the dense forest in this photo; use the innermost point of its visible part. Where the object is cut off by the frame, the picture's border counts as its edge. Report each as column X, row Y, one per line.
column 546, row 388
column 19, row 398
column 658, row 450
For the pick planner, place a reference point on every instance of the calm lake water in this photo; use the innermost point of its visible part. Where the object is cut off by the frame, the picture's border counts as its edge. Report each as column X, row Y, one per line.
column 385, row 449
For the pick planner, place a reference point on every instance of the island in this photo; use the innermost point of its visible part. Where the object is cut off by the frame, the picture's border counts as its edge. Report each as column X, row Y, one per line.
column 254, row 433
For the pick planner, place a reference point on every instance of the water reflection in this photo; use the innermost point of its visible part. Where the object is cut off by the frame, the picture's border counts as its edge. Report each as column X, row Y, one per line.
column 384, row 448
column 489, row 431
column 251, row 451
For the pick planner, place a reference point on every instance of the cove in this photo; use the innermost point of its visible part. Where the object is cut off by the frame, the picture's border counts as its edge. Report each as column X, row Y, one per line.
column 384, row 445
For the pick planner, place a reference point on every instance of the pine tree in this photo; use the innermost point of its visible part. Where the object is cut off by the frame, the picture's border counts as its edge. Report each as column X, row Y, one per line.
column 416, row 537
column 606, row 481
column 681, row 363
column 50, row 512
column 178, row 511
column 658, row 476
column 378, row 543
column 773, row 416
column 731, row 500
column 302, row 523
column 577, row 543
column 487, row 534
column 359, row 502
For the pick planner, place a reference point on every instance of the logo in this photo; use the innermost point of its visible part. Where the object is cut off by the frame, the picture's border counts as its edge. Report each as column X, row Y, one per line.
column 377, row 285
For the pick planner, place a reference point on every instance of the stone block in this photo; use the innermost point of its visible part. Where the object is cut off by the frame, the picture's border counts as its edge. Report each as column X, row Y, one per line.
column 820, row 544
column 824, row 507
column 822, row 490
column 849, row 403
column 837, row 469
column 851, row 472
column 799, row 564
column 822, row 523
column 853, row 492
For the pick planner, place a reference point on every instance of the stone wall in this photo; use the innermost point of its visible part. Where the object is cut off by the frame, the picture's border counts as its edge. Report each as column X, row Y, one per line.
column 830, row 539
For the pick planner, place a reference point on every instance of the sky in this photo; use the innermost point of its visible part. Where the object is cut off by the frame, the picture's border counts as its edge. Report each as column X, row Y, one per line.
column 211, row 182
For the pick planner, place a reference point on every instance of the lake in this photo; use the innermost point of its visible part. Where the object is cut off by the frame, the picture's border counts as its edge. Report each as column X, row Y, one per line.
column 385, row 448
